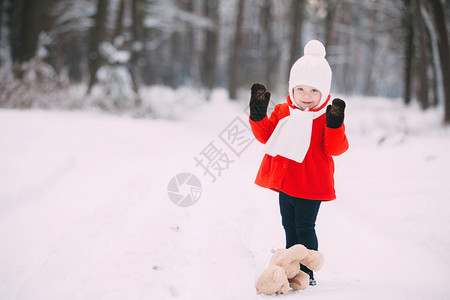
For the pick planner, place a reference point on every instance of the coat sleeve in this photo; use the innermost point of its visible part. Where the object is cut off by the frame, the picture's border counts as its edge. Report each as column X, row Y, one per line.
column 335, row 141
column 262, row 130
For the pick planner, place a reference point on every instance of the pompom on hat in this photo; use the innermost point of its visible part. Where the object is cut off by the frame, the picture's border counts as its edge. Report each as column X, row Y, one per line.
column 312, row 69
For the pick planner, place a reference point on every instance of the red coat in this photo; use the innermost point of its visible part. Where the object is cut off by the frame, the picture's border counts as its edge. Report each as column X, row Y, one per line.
column 314, row 177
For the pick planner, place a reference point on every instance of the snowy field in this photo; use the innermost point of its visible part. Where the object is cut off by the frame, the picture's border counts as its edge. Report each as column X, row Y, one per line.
column 85, row 211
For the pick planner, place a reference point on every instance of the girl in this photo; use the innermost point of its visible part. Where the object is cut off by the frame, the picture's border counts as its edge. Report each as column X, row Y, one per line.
column 300, row 138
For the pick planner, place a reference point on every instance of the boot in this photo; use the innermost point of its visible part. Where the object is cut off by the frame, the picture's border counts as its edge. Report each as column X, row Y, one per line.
column 312, row 281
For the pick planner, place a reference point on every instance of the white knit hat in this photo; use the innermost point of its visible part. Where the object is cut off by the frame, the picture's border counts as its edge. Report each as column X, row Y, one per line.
column 312, row 69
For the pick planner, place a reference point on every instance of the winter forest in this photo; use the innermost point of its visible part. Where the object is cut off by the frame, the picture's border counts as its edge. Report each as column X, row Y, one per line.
column 128, row 161
column 111, row 51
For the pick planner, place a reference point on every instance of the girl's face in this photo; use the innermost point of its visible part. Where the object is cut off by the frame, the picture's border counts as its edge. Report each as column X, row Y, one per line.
column 306, row 97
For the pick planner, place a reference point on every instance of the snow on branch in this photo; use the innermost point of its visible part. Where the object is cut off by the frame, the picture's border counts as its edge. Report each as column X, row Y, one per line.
column 171, row 18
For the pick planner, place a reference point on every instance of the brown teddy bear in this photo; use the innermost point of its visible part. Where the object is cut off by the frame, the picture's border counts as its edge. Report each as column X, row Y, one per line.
column 284, row 271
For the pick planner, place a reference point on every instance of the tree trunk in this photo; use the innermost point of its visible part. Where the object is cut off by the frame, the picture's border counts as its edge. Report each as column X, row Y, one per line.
column 26, row 21
column 297, row 8
column 137, row 45
column 267, row 43
column 176, row 52
column 32, row 25
column 175, row 65
column 15, row 27
column 409, row 50
column 422, row 61
column 2, row 9
column 190, row 61
column 434, row 102
column 118, row 31
column 329, row 22
column 210, row 10
column 369, row 86
column 438, row 11
column 233, row 74
column 75, row 56
column 96, row 37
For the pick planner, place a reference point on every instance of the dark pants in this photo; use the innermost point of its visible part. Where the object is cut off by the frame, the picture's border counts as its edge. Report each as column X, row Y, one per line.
column 298, row 217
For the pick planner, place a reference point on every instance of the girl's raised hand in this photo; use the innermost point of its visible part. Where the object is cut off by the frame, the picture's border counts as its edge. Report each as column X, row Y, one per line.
column 259, row 101
column 335, row 113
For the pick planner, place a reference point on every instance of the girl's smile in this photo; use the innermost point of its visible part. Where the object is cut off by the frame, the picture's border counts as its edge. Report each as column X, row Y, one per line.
column 306, row 97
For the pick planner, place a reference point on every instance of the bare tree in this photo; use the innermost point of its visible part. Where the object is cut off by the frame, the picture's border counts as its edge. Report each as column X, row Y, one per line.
column 439, row 13
column 26, row 21
column 137, row 32
column 210, row 50
column 422, row 61
column 329, row 21
column 408, row 49
column 369, row 87
column 69, row 31
column 97, row 35
column 267, row 43
column 233, row 71
column 118, row 31
column 340, row 47
column 2, row 9
column 297, row 17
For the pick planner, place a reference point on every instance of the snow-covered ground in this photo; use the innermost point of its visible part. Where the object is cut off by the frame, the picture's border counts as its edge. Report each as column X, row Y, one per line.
column 85, row 211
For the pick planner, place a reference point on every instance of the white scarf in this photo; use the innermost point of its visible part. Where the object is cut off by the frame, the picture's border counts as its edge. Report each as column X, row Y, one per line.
column 292, row 135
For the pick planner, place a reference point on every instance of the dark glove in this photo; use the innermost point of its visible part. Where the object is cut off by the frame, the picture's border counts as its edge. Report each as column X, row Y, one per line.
column 259, row 101
column 335, row 113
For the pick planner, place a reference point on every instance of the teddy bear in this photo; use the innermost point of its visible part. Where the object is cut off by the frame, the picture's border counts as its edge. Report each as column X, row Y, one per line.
column 284, row 271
